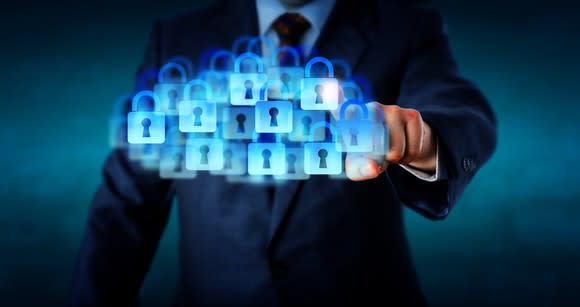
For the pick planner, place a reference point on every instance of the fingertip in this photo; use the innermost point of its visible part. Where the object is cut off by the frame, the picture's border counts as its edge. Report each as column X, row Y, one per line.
column 360, row 169
column 370, row 169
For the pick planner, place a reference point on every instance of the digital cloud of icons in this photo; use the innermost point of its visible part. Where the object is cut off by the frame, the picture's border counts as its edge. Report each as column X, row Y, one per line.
column 252, row 121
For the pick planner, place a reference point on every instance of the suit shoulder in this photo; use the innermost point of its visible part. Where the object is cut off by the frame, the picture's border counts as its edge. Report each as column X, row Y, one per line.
column 412, row 14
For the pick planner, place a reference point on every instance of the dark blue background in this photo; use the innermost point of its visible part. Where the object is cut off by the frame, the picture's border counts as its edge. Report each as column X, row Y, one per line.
column 514, row 237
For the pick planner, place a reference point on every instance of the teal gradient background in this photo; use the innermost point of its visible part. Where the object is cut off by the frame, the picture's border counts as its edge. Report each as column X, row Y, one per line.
column 514, row 237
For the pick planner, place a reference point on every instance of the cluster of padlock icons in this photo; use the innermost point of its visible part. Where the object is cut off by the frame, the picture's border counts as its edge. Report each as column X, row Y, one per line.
column 253, row 122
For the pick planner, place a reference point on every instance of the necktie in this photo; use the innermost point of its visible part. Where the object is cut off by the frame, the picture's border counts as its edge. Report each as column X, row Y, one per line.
column 290, row 28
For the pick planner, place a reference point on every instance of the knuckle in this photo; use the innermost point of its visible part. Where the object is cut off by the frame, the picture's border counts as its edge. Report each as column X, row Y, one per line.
column 413, row 153
column 395, row 155
column 391, row 109
column 412, row 115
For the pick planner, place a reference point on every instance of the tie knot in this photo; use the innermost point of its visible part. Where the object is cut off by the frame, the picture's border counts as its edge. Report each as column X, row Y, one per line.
column 290, row 28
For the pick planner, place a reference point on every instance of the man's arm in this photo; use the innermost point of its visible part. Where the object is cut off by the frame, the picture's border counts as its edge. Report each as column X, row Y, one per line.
column 440, row 118
column 126, row 220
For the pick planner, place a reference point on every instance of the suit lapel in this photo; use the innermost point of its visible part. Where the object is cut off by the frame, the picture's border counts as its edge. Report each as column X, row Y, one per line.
column 338, row 40
column 343, row 36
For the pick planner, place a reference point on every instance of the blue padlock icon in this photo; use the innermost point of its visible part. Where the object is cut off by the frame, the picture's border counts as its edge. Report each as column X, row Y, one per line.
column 185, row 62
column 172, row 157
column 344, row 70
column 235, row 155
column 351, row 90
column 170, row 91
column 319, row 93
column 380, row 135
column 172, row 164
column 239, row 42
column 219, row 80
column 145, row 127
column 266, row 158
column 204, row 153
column 273, row 116
column 291, row 76
column 245, row 87
column 197, row 115
column 294, row 165
column 303, row 121
column 238, row 123
column 355, row 134
column 322, row 158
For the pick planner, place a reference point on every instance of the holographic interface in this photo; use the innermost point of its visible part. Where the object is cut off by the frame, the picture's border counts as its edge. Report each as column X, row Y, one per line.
column 253, row 119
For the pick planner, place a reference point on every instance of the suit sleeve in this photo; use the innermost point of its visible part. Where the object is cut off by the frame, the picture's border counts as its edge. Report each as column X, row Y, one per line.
column 454, row 108
column 127, row 217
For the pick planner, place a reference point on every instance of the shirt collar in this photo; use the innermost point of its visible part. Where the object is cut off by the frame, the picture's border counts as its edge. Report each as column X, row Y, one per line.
column 316, row 12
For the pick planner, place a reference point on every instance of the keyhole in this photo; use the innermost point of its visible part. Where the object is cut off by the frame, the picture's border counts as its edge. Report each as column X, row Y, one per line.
column 285, row 78
column 172, row 95
column 178, row 168
column 291, row 159
column 319, row 89
column 322, row 154
column 249, row 85
column 203, row 150
column 273, row 117
column 228, row 159
column 146, row 123
column 241, row 119
column 197, row 111
column 353, row 136
column 266, row 154
column 306, row 121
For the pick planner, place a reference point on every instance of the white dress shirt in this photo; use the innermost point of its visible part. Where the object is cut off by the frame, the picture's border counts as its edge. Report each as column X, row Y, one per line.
column 316, row 12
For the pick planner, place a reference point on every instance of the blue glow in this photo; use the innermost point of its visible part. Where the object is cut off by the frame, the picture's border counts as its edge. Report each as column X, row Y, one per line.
column 355, row 134
column 238, row 123
column 204, row 154
column 264, row 128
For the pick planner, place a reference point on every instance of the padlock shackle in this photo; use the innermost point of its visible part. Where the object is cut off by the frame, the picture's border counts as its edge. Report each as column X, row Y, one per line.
column 255, row 137
column 287, row 49
column 364, row 84
column 183, row 61
column 260, row 39
column 145, row 93
column 222, row 53
column 345, row 66
column 316, row 60
column 199, row 82
column 349, row 84
column 249, row 55
column 319, row 125
column 238, row 42
column 350, row 102
column 163, row 70
column 264, row 90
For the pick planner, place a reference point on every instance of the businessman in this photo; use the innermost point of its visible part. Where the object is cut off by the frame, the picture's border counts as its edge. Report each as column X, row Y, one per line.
column 318, row 242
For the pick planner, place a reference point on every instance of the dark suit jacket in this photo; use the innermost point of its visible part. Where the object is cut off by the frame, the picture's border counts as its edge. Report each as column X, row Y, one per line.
column 318, row 242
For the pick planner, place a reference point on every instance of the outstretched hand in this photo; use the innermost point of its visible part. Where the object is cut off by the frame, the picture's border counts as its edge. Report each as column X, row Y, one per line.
column 411, row 143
